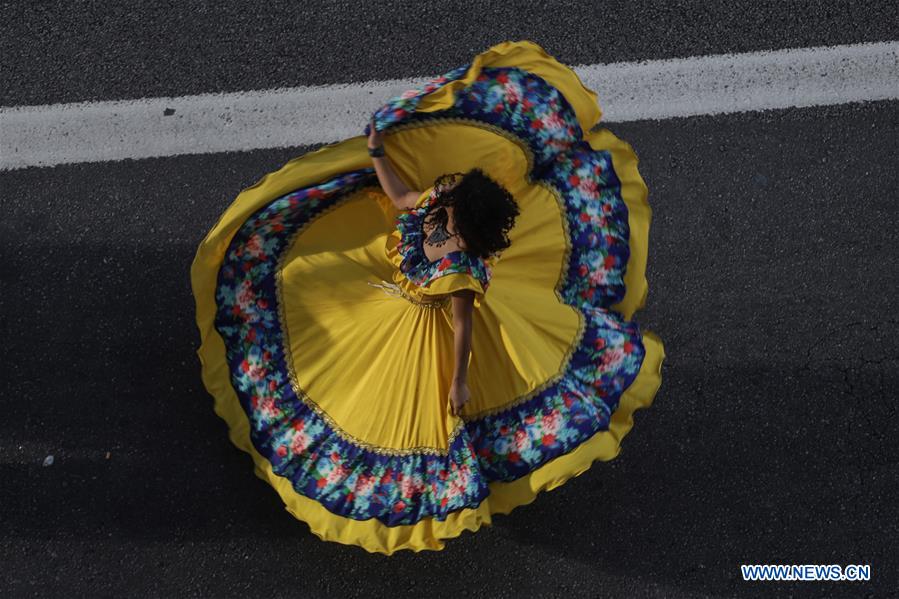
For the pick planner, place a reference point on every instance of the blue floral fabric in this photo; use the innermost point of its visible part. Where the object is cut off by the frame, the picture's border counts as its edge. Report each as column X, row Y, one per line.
column 357, row 483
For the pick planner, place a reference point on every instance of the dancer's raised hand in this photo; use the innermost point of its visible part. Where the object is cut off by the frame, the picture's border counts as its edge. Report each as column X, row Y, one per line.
column 375, row 137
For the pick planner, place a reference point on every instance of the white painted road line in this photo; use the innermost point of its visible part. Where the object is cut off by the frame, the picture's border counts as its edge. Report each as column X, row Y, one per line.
column 725, row 83
column 658, row 89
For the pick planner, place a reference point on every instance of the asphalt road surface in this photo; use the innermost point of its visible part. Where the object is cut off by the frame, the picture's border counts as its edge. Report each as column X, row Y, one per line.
column 772, row 272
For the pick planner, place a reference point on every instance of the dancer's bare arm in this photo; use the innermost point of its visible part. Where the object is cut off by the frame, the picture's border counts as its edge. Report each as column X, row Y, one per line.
column 399, row 193
column 463, row 304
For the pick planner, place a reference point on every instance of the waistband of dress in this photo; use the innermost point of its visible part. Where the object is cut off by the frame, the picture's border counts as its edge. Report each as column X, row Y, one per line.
column 394, row 290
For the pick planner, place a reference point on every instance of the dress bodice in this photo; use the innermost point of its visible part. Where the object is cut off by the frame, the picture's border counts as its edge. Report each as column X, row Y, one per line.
column 420, row 276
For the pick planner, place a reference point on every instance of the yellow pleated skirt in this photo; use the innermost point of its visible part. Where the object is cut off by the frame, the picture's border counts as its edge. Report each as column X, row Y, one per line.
column 333, row 374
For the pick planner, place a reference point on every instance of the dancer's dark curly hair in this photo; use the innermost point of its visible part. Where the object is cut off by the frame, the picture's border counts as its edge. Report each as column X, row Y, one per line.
column 483, row 210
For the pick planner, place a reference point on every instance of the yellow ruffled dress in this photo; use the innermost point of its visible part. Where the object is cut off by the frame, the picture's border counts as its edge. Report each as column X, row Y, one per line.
column 327, row 336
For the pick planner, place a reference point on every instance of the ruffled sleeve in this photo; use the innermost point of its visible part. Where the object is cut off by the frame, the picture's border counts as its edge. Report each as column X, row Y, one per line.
column 424, row 196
